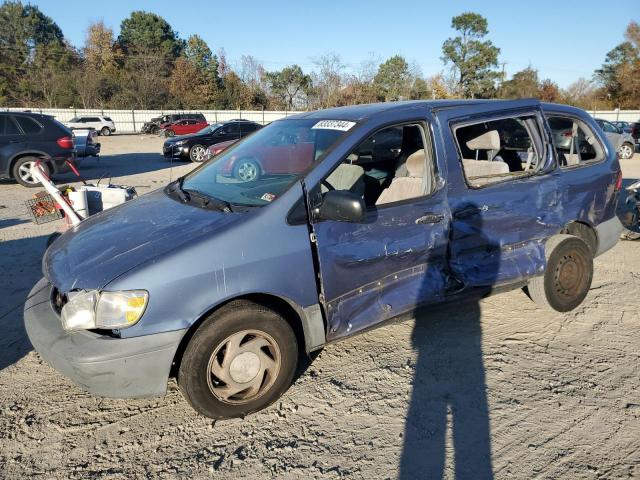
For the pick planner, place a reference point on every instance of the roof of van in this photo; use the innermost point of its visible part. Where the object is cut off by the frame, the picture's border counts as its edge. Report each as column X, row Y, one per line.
column 365, row 111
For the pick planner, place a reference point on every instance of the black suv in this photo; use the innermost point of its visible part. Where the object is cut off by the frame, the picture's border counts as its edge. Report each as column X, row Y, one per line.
column 27, row 137
column 194, row 147
column 153, row 125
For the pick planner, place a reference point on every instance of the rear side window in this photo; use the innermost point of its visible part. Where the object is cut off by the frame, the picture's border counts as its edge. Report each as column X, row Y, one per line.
column 108, row 119
column 8, row 126
column 28, row 125
column 574, row 142
column 497, row 150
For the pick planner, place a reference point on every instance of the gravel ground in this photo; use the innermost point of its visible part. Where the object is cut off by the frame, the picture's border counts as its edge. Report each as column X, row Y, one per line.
column 499, row 387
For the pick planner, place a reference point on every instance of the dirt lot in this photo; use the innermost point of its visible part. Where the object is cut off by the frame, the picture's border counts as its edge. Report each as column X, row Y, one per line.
column 499, row 387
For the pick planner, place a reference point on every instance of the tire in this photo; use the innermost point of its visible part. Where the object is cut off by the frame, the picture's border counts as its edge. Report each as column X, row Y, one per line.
column 169, row 133
column 154, row 130
column 20, row 170
column 247, row 170
column 626, row 151
column 567, row 276
column 263, row 361
column 198, row 153
column 105, row 131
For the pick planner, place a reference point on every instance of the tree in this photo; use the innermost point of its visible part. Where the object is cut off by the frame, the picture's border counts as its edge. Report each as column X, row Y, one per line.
column 288, row 84
column 523, row 84
column 472, row 58
column 549, row 91
column 393, row 79
column 144, row 32
column 327, row 80
column 619, row 75
column 29, row 40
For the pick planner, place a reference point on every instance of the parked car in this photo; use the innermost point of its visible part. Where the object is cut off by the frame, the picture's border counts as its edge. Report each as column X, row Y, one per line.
column 623, row 142
column 222, row 281
column 153, row 125
column 183, row 127
column 101, row 124
column 85, row 141
column 218, row 148
column 194, row 147
column 635, row 132
column 624, row 126
column 27, row 137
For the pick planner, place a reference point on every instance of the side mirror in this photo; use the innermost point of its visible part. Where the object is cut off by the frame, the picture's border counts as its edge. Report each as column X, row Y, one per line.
column 341, row 206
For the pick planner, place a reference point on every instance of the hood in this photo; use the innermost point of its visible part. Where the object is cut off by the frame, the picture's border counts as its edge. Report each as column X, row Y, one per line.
column 177, row 138
column 108, row 244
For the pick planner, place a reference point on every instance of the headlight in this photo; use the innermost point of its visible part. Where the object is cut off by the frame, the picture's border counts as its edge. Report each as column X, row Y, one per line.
column 180, row 142
column 109, row 310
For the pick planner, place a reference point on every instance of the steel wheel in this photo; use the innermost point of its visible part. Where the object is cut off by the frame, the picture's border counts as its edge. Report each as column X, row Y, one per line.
column 198, row 153
column 244, row 366
column 626, row 151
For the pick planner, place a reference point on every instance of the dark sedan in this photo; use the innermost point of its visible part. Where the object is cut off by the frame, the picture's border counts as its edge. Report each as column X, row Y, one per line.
column 194, row 147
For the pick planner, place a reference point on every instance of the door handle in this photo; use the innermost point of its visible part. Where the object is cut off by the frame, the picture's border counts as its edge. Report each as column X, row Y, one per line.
column 429, row 218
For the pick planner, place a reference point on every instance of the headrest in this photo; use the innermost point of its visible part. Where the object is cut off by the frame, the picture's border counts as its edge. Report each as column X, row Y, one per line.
column 487, row 141
column 416, row 163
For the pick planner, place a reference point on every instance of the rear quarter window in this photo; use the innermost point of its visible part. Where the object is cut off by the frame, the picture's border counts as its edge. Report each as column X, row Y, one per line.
column 575, row 143
column 28, row 125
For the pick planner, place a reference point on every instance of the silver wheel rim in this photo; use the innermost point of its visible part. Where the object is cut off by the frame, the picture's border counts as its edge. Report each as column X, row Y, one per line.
column 247, row 171
column 625, row 152
column 243, row 367
column 198, row 153
column 24, row 172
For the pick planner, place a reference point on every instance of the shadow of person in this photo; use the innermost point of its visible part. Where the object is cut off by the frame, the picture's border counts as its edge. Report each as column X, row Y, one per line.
column 449, row 390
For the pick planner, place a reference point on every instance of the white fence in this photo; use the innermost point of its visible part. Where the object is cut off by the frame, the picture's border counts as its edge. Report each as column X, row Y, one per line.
column 615, row 115
column 131, row 121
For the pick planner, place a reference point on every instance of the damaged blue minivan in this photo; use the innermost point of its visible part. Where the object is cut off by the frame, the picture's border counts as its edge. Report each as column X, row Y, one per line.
column 315, row 228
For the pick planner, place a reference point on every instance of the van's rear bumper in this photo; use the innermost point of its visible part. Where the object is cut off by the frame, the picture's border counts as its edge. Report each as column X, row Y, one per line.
column 102, row 365
column 608, row 233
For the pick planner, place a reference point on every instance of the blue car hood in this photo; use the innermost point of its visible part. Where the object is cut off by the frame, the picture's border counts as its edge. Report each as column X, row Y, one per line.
column 108, row 244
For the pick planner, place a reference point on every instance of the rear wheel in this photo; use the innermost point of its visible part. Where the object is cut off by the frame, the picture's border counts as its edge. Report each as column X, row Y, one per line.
column 169, row 133
column 21, row 171
column 106, row 131
column 626, row 151
column 567, row 276
column 198, row 153
column 240, row 360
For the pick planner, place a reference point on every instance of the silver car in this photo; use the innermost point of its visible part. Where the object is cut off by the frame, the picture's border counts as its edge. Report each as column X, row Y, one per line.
column 622, row 141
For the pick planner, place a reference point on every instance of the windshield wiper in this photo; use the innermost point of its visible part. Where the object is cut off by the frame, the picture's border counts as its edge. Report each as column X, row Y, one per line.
column 208, row 200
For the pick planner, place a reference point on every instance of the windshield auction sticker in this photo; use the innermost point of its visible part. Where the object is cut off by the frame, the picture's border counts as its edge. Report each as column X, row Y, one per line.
column 342, row 125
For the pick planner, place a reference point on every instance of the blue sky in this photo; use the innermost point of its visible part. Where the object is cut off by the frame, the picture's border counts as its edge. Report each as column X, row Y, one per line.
column 564, row 39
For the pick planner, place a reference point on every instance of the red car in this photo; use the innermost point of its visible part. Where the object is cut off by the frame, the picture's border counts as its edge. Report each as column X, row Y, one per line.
column 287, row 154
column 217, row 148
column 183, row 127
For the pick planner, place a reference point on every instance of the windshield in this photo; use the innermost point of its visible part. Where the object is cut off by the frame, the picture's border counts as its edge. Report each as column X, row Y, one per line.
column 210, row 128
column 263, row 166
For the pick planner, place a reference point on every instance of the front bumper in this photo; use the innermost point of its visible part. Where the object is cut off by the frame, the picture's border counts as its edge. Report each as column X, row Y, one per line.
column 173, row 151
column 102, row 365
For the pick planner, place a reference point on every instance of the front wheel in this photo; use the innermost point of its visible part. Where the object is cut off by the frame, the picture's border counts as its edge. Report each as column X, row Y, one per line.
column 198, row 153
column 626, row 151
column 246, row 170
column 169, row 133
column 567, row 276
column 240, row 360
column 106, row 131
